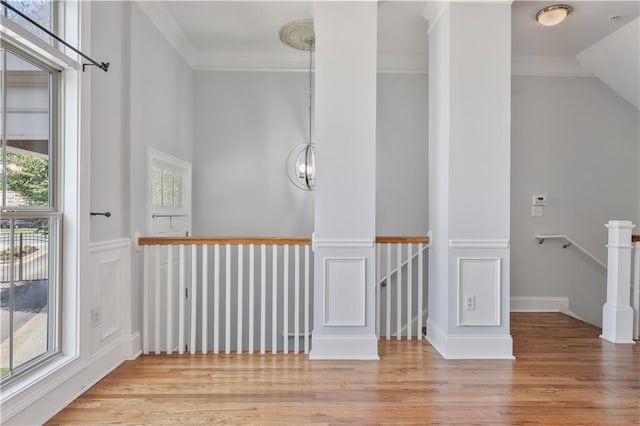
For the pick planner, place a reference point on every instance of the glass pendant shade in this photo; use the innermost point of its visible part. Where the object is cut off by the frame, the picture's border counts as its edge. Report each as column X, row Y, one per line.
column 301, row 167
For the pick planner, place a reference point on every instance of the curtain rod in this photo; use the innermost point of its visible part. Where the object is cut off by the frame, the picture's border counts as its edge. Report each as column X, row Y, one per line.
column 104, row 66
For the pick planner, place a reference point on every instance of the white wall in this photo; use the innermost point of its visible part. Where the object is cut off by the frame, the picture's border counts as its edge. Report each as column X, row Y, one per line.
column 245, row 125
column 402, row 166
column 576, row 141
column 109, row 132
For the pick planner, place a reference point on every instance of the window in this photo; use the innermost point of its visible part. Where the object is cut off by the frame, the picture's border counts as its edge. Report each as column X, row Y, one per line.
column 169, row 194
column 30, row 215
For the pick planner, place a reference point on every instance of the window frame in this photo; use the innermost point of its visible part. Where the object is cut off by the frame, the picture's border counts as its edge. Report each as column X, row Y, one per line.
column 52, row 212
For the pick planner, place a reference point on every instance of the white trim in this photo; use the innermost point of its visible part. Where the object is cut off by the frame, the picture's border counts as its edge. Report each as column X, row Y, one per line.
column 497, row 290
column 345, row 347
column 469, row 346
column 343, row 243
column 479, row 244
column 108, row 245
column 559, row 66
column 539, row 304
column 542, row 304
column 360, row 263
column 434, row 12
column 25, row 39
column 65, row 382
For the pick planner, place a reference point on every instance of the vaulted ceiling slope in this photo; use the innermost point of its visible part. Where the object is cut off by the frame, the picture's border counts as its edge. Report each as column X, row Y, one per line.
column 615, row 60
column 236, row 35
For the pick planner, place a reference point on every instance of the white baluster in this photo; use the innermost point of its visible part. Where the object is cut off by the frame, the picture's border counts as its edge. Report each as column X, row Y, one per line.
column 240, row 296
column 285, row 303
column 274, row 300
column 378, row 290
column 296, row 296
column 227, row 294
column 169, row 299
column 263, row 297
column 636, row 289
column 205, row 296
column 409, row 289
column 399, row 290
column 306, row 299
column 181, row 298
column 420, row 292
column 388, row 291
column 194, row 297
column 251, row 294
column 216, row 299
column 156, row 293
column 145, row 300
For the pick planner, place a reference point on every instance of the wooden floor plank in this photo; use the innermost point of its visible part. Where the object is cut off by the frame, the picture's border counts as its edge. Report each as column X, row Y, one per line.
column 563, row 374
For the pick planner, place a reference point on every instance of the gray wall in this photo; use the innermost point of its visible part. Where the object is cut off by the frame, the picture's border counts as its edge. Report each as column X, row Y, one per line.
column 109, row 132
column 576, row 141
column 247, row 122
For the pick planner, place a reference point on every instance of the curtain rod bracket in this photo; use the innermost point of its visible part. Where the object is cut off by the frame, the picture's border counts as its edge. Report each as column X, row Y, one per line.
column 104, row 66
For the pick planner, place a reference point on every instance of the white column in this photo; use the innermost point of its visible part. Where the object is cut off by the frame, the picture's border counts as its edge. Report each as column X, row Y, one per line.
column 617, row 314
column 345, row 129
column 469, row 178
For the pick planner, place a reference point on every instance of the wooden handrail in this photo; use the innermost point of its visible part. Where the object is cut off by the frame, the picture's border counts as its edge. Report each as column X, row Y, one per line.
column 151, row 241
column 402, row 240
column 635, row 238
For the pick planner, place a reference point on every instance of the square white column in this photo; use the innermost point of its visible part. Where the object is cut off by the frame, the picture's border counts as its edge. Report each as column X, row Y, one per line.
column 345, row 130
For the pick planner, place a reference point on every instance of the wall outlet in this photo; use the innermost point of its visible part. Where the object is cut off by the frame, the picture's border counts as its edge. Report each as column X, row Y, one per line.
column 537, row 211
column 96, row 318
column 470, row 303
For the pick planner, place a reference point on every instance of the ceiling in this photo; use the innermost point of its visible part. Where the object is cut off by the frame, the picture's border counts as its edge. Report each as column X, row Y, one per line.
column 244, row 34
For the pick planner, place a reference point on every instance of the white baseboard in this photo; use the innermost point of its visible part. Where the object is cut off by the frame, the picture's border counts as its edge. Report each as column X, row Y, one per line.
column 347, row 347
column 542, row 304
column 469, row 346
column 43, row 401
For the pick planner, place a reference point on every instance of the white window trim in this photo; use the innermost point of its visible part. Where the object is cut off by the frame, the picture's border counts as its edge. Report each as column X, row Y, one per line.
column 19, row 395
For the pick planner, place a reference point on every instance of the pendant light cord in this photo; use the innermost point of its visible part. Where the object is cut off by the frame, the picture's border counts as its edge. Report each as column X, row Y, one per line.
column 311, row 46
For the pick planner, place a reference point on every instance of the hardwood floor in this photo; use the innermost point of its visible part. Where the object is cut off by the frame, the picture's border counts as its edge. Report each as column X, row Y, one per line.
column 563, row 374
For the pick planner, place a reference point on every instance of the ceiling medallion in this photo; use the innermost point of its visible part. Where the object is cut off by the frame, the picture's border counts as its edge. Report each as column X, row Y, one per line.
column 298, row 34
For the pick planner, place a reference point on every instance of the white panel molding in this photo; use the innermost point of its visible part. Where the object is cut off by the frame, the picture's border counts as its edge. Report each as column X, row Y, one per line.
column 497, row 288
column 341, row 347
column 558, row 66
column 343, row 243
column 479, row 243
column 481, row 346
column 334, row 283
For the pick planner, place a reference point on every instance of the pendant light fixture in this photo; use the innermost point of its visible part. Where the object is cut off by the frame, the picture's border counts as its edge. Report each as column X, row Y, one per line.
column 301, row 161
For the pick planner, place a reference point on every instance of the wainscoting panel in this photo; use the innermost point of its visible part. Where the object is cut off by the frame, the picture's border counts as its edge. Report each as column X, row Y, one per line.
column 345, row 291
column 479, row 287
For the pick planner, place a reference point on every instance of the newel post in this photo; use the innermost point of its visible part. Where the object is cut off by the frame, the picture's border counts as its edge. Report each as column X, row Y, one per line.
column 617, row 314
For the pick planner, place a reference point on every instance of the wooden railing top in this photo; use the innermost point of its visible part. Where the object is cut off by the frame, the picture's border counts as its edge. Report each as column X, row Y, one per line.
column 635, row 238
column 152, row 241
column 402, row 240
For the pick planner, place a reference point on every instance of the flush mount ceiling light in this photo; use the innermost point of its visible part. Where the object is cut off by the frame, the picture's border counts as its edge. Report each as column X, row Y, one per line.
column 301, row 161
column 553, row 15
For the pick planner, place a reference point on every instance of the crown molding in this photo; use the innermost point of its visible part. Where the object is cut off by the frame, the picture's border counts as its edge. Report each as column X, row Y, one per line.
column 164, row 22
column 559, row 66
